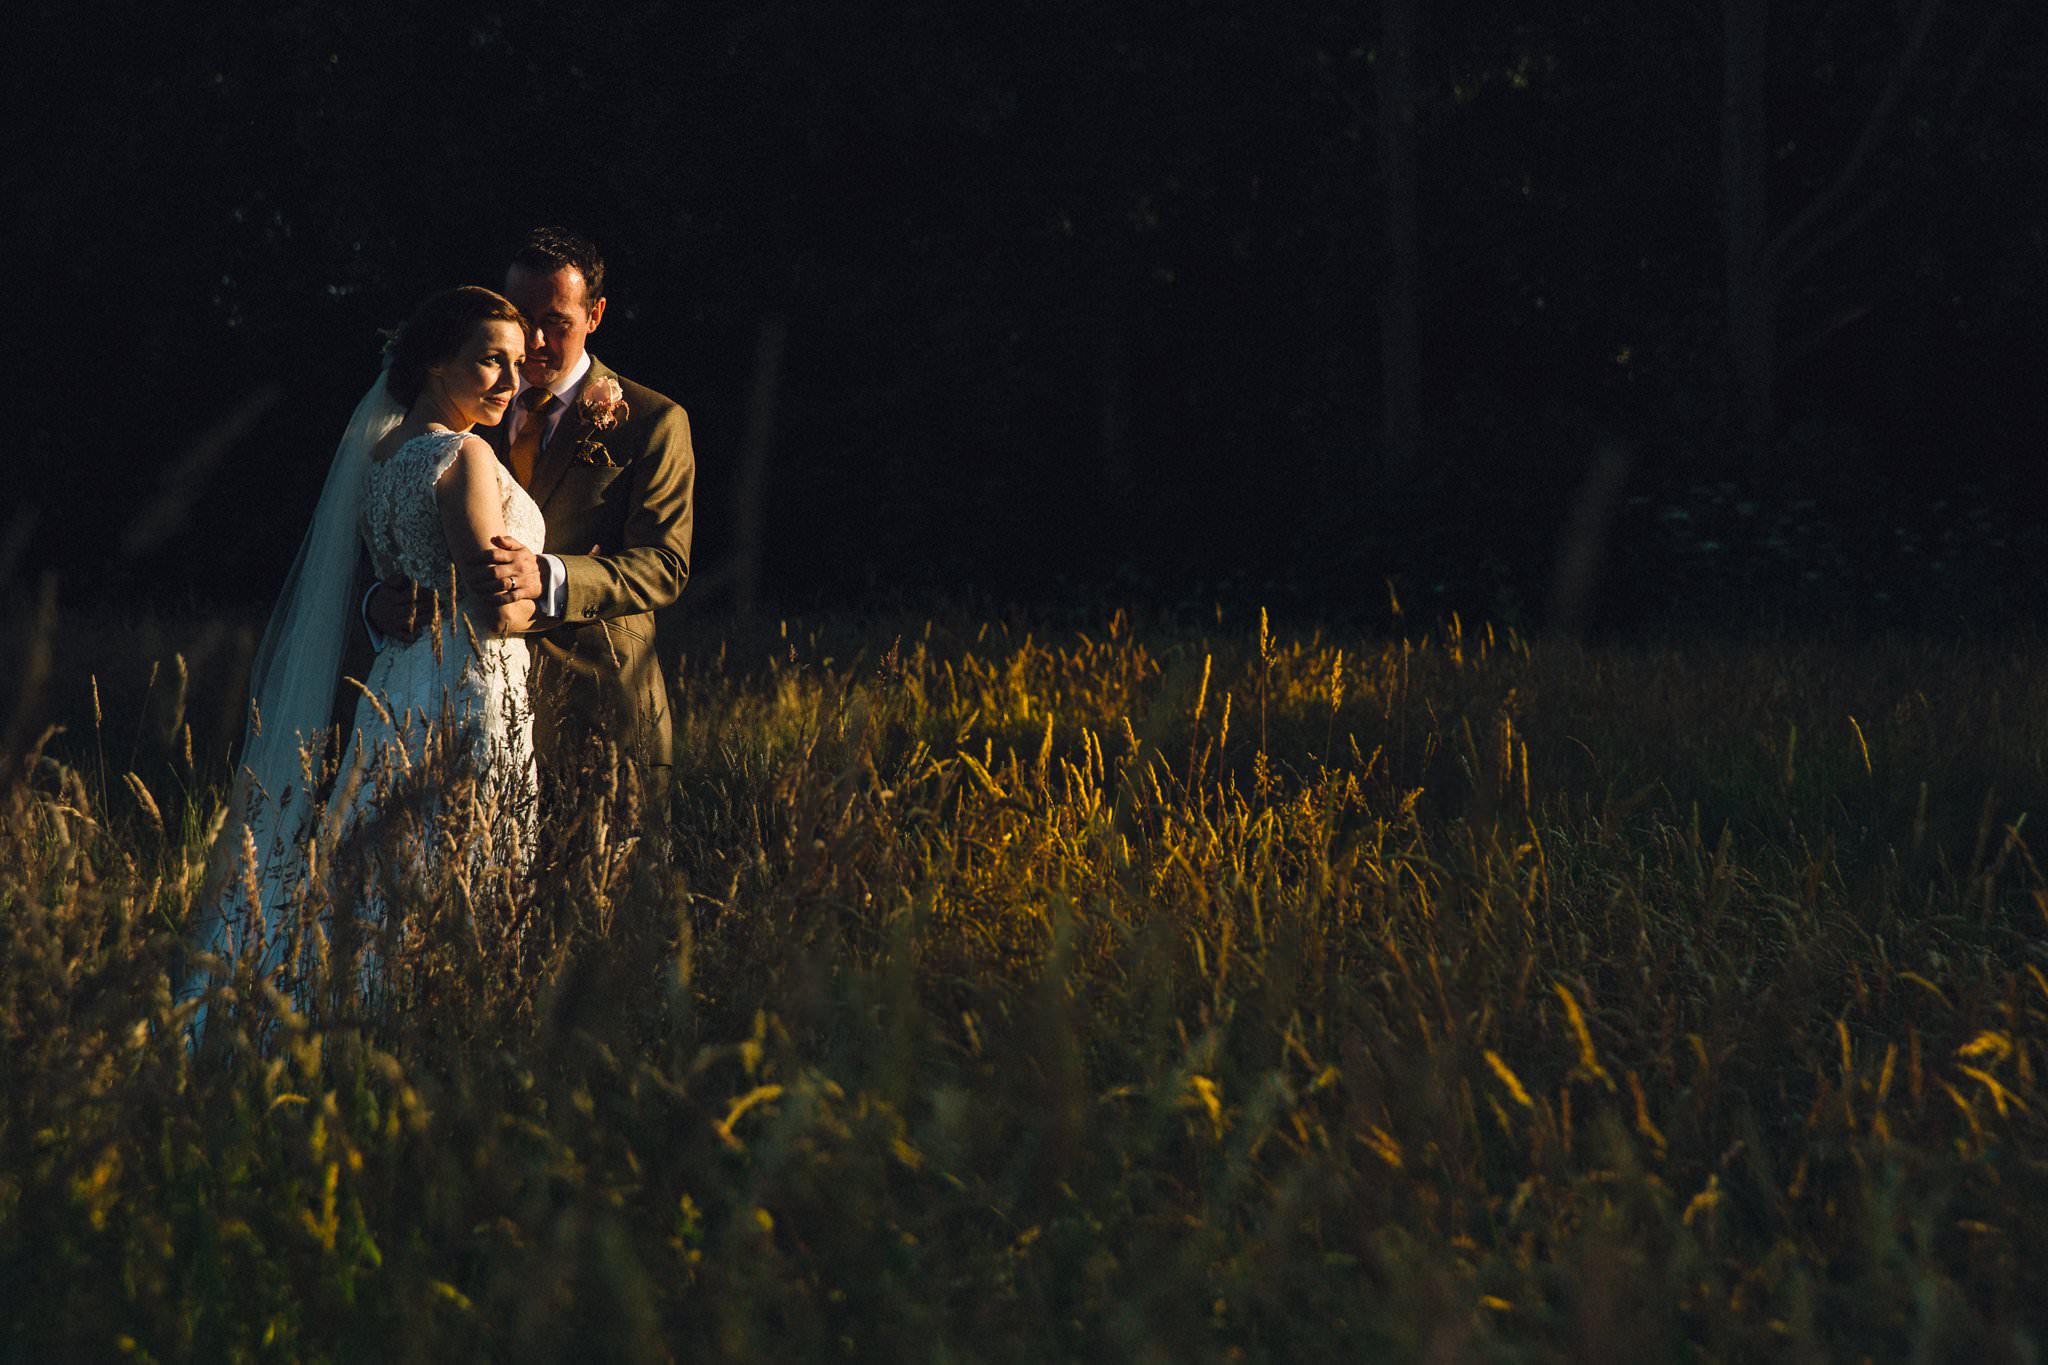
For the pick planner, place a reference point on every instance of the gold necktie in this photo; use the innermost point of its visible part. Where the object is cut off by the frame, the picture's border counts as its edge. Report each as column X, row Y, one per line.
column 525, row 451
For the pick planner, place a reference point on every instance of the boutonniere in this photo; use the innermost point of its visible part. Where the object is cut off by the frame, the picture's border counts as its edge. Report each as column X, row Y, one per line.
column 600, row 407
column 602, row 404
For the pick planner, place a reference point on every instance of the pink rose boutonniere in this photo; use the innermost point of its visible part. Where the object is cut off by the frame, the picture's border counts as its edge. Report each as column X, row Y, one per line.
column 602, row 405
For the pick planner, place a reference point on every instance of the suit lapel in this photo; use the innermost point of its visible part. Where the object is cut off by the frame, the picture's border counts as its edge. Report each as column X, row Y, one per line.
column 557, row 454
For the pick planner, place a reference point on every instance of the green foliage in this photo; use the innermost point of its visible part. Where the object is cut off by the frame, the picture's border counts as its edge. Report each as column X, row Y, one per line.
column 1132, row 994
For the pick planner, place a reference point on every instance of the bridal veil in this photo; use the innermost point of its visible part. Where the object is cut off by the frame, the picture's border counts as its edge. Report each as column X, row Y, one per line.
column 291, row 699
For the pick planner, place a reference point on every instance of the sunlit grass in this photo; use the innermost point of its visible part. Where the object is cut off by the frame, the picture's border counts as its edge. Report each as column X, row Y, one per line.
column 1137, row 992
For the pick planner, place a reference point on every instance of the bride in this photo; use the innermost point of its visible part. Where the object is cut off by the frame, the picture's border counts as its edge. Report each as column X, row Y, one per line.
column 422, row 492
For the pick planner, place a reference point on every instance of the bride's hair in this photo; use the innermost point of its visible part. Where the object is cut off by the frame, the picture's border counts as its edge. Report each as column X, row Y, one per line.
column 436, row 331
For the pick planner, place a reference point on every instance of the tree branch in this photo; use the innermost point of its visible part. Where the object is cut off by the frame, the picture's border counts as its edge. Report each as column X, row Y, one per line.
column 1840, row 231
column 1795, row 353
column 1859, row 155
column 1980, row 57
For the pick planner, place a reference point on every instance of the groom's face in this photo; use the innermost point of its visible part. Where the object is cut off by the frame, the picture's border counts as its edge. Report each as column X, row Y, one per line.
column 560, row 317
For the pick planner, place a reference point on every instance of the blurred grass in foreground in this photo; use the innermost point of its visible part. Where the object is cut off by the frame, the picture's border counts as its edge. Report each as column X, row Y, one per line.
column 1134, row 994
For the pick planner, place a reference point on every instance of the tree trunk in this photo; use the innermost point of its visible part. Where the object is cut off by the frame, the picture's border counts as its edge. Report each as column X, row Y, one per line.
column 749, row 502
column 1751, row 300
column 1400, row 325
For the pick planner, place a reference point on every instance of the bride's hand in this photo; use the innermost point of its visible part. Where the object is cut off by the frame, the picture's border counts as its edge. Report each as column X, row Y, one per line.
column 508, row 572
column 400, row 609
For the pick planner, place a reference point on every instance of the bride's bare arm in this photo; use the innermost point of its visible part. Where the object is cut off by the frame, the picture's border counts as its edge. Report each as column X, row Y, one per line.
column 471, row 513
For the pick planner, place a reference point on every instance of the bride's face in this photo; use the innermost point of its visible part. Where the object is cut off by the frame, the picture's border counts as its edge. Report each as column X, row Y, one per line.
column 479, row 380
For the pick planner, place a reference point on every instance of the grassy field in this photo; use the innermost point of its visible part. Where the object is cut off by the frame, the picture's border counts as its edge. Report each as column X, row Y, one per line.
column 1169, row 992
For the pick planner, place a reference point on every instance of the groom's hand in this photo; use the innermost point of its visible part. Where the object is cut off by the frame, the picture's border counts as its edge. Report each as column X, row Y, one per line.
column 399, row 608
column 508, row 572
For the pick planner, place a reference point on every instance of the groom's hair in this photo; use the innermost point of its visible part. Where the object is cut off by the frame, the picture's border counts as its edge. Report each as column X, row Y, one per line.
column 437, row 330
column 548, row 249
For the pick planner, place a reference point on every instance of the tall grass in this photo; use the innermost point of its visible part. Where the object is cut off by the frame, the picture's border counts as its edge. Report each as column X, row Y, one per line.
column 1136, row 994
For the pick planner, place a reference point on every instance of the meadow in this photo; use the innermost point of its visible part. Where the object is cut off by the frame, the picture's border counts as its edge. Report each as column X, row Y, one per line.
column 1141, row 990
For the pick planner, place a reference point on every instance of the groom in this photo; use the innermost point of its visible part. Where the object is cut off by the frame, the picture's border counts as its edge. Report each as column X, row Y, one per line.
column 610, row 464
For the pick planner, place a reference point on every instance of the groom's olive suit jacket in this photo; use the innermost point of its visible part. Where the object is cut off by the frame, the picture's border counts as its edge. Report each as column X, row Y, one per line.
column 618, row 505
column 619, row 508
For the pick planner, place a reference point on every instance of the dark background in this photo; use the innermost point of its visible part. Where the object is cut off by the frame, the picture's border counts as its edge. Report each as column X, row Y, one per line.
column 1082, row 301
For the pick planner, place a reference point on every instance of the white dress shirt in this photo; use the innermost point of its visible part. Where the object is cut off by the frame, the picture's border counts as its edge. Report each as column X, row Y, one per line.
column 554, row 578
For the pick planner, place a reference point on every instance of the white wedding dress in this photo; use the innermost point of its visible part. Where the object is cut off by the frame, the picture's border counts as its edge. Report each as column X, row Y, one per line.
column 450, row 705
column 455, row 697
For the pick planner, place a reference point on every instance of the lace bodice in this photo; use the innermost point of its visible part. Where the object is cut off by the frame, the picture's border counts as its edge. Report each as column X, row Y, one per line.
column 402, row 517
column 462, row 682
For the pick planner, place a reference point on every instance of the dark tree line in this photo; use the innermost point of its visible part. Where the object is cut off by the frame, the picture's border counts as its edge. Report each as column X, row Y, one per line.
column 1170, row 299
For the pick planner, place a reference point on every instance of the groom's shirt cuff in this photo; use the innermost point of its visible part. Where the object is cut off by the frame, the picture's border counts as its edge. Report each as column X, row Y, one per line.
column 377, row 640
column 554, row 586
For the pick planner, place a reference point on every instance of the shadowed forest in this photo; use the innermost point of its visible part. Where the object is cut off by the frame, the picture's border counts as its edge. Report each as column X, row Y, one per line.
column 1591, row 916
column 1725, row 309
